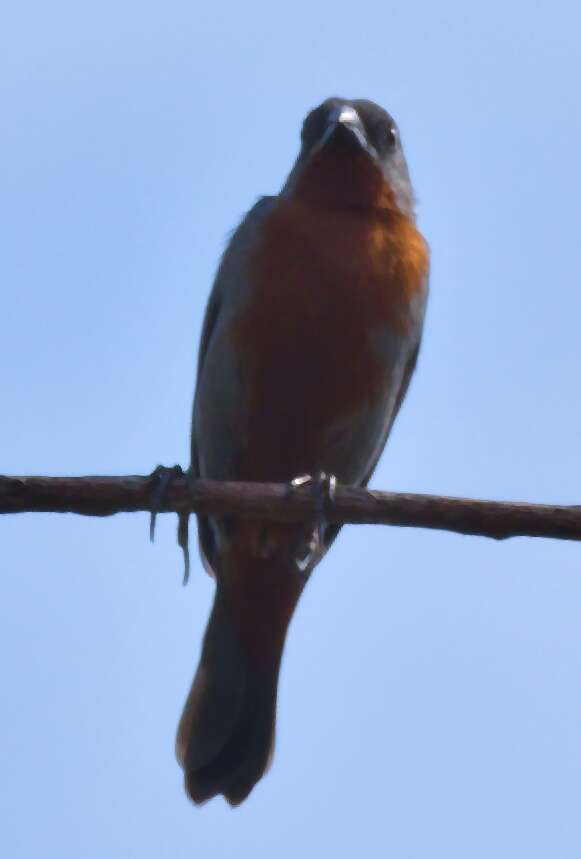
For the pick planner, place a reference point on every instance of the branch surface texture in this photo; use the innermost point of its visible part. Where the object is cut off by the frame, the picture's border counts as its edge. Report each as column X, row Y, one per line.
column 104, row 496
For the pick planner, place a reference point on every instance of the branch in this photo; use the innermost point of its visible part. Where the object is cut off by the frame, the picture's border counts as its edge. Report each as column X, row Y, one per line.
column 104, row 496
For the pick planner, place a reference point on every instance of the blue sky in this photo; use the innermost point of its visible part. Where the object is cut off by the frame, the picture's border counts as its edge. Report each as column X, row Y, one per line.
column 430, row 697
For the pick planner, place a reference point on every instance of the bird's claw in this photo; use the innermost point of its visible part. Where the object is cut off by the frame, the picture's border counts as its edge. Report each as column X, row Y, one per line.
column 323, row 488
column 161, row 478
column 184, row 542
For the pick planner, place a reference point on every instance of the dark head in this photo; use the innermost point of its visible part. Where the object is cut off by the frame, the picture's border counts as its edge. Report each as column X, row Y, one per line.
column 351, row 154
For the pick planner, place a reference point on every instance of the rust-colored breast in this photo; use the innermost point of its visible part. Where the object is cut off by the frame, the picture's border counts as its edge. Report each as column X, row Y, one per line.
column 326, row 281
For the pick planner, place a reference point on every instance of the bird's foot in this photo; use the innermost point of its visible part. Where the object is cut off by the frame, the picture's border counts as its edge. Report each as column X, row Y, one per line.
column 323, row 487
column 161, row 478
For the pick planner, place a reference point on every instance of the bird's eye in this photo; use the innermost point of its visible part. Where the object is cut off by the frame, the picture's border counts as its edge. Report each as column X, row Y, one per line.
column 392, row 137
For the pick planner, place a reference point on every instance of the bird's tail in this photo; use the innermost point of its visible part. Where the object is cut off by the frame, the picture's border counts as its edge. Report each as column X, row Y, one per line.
column 225, row 737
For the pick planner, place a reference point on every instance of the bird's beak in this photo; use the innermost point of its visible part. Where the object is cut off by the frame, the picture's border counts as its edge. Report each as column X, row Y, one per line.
column 345, row 130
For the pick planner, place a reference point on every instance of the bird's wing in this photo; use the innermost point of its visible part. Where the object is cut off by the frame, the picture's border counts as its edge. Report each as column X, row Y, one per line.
column 229, row 280
column 228, row 290
column 331, row 531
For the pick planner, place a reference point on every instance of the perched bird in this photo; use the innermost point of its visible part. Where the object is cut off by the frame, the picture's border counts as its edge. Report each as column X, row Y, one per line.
column 309, row 342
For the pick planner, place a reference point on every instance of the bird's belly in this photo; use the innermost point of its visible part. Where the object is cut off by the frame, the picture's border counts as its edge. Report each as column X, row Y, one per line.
column 322, row 378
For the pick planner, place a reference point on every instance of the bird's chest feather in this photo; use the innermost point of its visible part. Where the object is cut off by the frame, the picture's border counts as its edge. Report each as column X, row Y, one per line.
column 329, row 290
column 326, row 286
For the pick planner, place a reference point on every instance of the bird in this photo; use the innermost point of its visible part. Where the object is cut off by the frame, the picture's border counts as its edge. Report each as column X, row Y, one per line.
column 309, row 341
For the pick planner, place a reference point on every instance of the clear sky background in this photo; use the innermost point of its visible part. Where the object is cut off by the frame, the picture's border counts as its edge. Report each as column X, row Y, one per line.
column 430, row 696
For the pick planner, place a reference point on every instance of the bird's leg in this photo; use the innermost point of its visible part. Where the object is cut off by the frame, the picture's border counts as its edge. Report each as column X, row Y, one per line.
column 323, row 488
column 161, row 478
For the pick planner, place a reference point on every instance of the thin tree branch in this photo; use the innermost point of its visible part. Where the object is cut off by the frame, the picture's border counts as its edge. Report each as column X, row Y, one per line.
column 103, row 496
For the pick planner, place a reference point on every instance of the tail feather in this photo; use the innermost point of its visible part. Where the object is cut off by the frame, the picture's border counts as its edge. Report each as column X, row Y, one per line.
column 243, row 758
column 225, row 737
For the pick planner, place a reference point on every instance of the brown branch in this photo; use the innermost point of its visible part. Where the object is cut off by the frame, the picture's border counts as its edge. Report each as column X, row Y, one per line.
column 103, row 496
